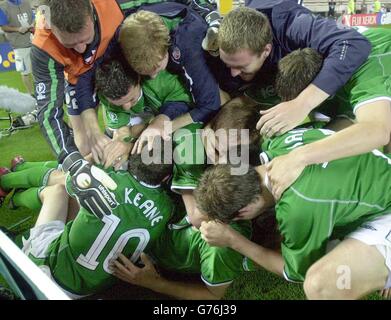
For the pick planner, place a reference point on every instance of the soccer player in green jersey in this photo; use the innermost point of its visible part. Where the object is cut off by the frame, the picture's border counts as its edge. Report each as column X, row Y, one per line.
column 347, row 199
column 295, row 72
column 77, row 254
column 367, row 93
column 127, row 99
column 182, row 249
column 179, row 249
column 130, row 101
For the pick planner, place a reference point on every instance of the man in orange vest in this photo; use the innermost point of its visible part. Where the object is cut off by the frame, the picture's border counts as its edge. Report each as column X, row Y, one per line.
column 70, row 38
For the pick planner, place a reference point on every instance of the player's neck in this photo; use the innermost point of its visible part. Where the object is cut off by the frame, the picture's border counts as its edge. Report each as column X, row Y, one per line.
column 266, row 190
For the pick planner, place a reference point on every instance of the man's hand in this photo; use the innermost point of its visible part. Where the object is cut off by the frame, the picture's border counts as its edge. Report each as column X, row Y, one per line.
column 90, row 185
column 98, row 142
column 217, row 234
column 281, row 118
column 283, row 171
column 125, row 270
column 23, row 30
column 210, row 43
column 159, row 127
column 116, row 153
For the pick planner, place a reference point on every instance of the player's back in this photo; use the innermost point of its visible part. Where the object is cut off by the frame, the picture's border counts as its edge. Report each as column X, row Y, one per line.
column 80, row 258
column 344, row 193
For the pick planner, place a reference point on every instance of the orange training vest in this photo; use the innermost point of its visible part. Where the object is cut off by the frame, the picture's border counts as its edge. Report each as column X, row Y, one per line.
column 110, row 18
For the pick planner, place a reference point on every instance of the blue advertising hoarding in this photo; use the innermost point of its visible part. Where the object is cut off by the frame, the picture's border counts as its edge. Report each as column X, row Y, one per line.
column 7, row 57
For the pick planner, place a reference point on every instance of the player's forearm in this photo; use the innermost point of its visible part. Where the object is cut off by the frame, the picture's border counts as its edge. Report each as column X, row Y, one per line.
column 311, row 97
column 181, row 121
column 354, row 140
column 90, row 120
column 193, row 213
column 121, row 133
column 49, row 91
column 9, row 29
column 266, row 258
column 183, row 290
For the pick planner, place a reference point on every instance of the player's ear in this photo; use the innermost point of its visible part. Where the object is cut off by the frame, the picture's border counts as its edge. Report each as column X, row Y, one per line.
column 268, row 49
column 43, row 17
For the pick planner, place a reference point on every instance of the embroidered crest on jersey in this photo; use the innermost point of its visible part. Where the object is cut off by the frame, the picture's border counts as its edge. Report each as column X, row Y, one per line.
column 176, row 54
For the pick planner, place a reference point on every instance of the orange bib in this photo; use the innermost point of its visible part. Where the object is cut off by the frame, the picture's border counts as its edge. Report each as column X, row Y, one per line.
column 110, row 18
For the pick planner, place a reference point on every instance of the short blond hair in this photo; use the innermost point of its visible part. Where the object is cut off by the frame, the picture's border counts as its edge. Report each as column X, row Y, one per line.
column 244, row 28
column 144, row 40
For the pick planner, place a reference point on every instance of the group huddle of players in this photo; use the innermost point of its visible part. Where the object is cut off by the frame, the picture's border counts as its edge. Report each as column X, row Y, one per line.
column 209, row 123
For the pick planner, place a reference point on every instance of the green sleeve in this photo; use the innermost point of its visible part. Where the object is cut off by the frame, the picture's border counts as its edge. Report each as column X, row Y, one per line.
column 189, row 157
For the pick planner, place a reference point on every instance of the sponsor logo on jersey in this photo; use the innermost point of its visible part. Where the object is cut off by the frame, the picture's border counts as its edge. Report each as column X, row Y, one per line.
column 369, row 227
column 176, row 54
column 41, row 91
column 113, row 117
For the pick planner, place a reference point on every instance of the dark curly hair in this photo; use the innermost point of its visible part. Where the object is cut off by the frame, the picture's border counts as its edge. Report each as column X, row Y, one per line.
column 114, row 78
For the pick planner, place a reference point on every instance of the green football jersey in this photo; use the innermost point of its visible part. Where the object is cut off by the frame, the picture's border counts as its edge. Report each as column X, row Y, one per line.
column 181, row 248
column 189, row 157
column 79, row 258
column 166, row 87
column 327, row 201
column 373, row 79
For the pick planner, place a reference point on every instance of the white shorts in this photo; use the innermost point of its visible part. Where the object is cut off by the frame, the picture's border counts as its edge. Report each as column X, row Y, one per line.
column 23, row 61
column 41, row 237
column 377, row 233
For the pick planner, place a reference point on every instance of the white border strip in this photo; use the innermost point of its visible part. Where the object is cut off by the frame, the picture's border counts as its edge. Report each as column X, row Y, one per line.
column 176, row 188
column 30, row 270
